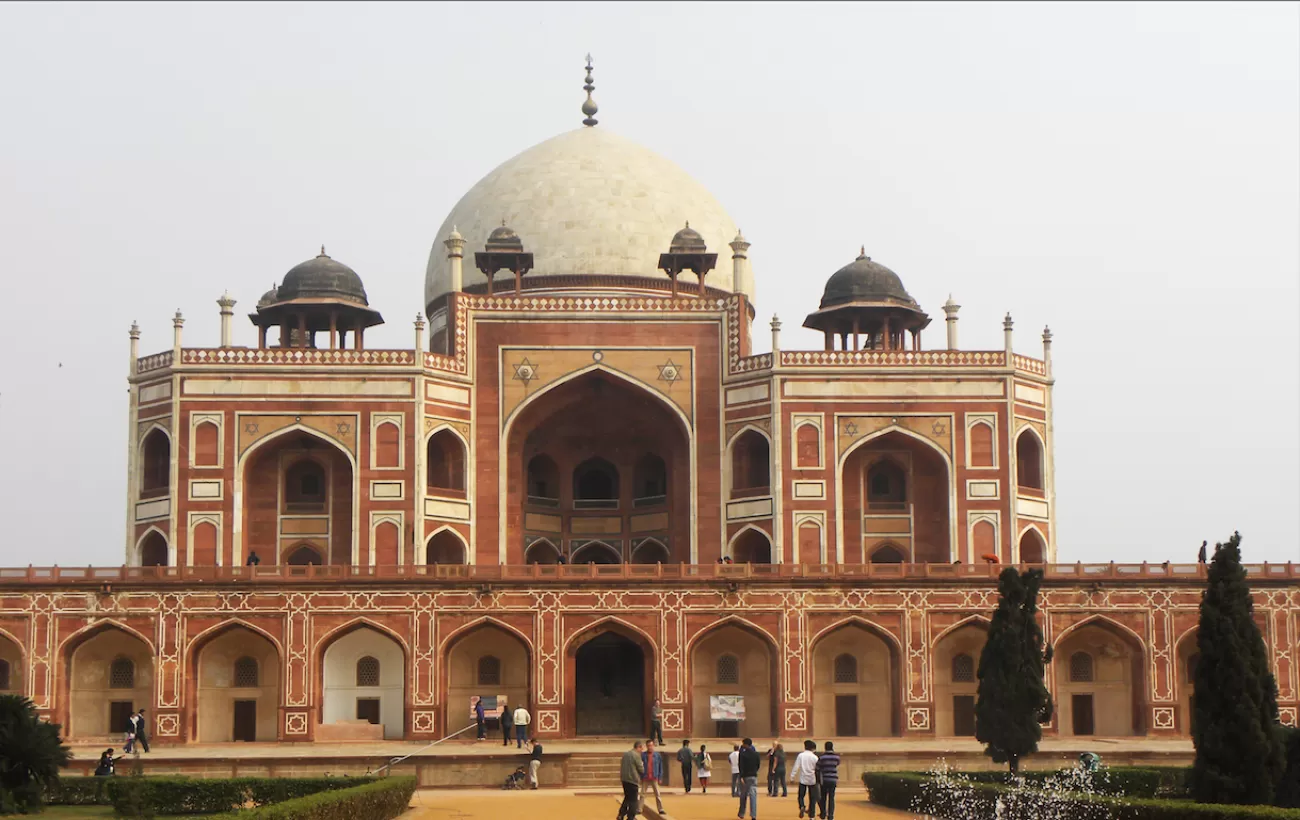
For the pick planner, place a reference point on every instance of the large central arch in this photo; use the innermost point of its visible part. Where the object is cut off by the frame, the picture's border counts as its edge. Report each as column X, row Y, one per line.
column 609, row 680
column 613, row 461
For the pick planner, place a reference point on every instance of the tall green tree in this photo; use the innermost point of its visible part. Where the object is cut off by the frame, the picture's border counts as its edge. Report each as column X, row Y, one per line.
column 31, row 754
column 1239, row 751
column 1013, row 701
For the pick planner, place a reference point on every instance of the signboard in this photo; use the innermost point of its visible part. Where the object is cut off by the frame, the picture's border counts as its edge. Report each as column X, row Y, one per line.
column 492, row 705
column 727, row 707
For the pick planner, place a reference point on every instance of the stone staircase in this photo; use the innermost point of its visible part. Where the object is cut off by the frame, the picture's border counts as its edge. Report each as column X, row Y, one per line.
column 592, row 771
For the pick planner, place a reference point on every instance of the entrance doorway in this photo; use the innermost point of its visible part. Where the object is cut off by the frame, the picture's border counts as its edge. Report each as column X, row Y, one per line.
column 846, row 715
column 963, row 715
column 1081, row 712
column 609, row 687
column 245, row 727
column 368, row 709
column 119, row 715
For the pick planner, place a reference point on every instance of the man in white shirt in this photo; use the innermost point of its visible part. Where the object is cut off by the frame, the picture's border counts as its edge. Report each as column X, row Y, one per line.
column 522, row 719
column 734, row 760
column 804, row 772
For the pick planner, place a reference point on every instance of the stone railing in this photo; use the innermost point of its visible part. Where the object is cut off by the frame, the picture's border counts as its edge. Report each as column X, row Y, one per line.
column 105, row 577
column 751, row 364
column 296, row 356
column 157, row 361
column 893, row 358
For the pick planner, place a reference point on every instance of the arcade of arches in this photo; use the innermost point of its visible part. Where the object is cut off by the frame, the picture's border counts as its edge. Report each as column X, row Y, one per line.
column 599, row 460
column 896, row 492
column 298, row 502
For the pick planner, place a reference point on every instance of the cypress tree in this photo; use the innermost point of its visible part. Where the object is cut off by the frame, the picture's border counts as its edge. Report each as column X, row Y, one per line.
column 1239, row 755
column 1012, row 701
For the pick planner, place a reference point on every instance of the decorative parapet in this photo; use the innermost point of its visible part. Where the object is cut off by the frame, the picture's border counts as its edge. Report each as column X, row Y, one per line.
column 896, row 358
column 446, row 364
column 296, row 356
column 1035, row 366
column 157, row 361
column 749, row 364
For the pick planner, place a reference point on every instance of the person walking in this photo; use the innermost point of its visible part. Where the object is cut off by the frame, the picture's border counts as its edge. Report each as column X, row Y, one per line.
column 507, row 723
column 656, row 723
column 749, row 762
column 522, row 719
column 480, row 717
column 704, row 763
column 776, row 769
column 734, row 760
column 630, row 771
column 1200, row 555
column 828, row 773
column 804, row 772
column 652, row 766
column 138, row 722
column 685, row 758
column 534, row 763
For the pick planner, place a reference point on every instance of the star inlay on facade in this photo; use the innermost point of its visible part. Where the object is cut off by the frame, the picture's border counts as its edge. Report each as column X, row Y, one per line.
column 344, row 428
column 525, row 372
column 670, row 372
column 850, row 429
column 939, row 428
column 251, row 428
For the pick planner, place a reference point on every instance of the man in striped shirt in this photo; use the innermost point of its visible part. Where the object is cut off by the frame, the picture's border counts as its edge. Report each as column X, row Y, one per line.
column 828, row 772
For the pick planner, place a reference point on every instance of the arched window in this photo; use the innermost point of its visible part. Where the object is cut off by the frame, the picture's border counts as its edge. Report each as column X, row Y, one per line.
column 153, row 550
column 846, row 669
column 206, row 440
column 446, row 462
column 808, row 446
column 367, row 671
column 156, row 463
column 304, row 487
column 1080, row 668
column 752, row 547
column 981, row 445
column 541, row 551
column 650, row 551
column 444, row 548
column 886, row 486
column 597, row 552
column 543, row 481
column 388, row 445
column 1029, row 461
column 1032, row 548
column 728, row 669
column 888, row 554
column 304, row 555
column 963, row 668
column 4, row 675
column 595, row 485
column 751, row 464
column 245, row 672
column 489, row 671
column 650, row 481
column 121, row 674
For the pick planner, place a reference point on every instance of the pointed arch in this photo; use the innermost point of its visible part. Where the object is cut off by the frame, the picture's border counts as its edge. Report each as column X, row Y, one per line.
column 843, row 458
column 652, row 543
column 1031, row 544
column 737, row 621
column 154, row 474
column 487, row 620
column 748, row 464
column 1105, row 621
column 80, row 702
column 611, row 623
column 449, row 470
column 138, row 550
column 85, row 633
column 596, row 546
column 823, row 647
column 197, row 693
column 360, row 622
column 758, row 663
column 569, row 377
column 540, row 544
column 767, row 536
column 865, row 623
column 1031, row 459
column 440, row 534
column 215, row 631
column 970, row 620
column 337, row 654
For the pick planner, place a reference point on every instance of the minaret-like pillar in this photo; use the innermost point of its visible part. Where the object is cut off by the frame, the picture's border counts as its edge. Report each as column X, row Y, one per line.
column 776, row 340
column 419, row 337
column 1047, row 351
column 455, row 244
column 227, row 305
column 950, row 309
column 741, row 278
column 178, row 321
column 1007, row 324
column 135, row 346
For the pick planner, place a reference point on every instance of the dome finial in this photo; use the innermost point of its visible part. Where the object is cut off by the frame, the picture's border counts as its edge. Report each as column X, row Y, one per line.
column 322, row 250
column 589, row 107
column 862, row 252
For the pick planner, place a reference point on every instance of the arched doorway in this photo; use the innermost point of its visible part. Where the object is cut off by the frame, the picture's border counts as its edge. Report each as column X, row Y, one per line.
column 751, row 546
column 364, row 678
column 1099, row 682
column 1033, row 550
column 155, row 464
column 751, row 465
column 111, row 676
column 297, row 491
column 896, row 490
column 596, row 552
column 612, row 682
column 734, row 660
column 599, row 458
column 445, row 472
column 541, row 551
column 237, row 687
column 153, row 550
column 1029, row 461
column 855, row 684
column 11, row 667
column 445, row 547
column 650, row 551
column 956, row 681
column 485, row 661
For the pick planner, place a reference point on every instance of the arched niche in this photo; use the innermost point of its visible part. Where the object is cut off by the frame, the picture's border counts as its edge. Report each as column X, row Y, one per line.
column 472, row 657
column 347, row 696
column 613, row 681
column 237, row 687
column 1029, row 461
column 541, row 551
column 1033, row 549
column 650, row 551
column 596, row 552
column 155, row 463
column 110, row 676
column 751, row 546
column 445, row 547
column 446, row 464
column 863, row 703
column 755, row 680
column 293, row 483
column 153, row 550
column 751, row 465
column 1111, row 702
column 897, row 488
column 956, row 683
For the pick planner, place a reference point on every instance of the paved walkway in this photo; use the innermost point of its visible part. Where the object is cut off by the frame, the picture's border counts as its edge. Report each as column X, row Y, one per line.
column 557, row 804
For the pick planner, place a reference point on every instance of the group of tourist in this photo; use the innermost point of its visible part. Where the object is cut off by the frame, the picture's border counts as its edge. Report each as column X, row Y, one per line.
column 817, row 775
column 137, row 738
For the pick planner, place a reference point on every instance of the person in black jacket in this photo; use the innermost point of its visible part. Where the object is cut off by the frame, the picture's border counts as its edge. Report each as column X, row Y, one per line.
column 749, row 763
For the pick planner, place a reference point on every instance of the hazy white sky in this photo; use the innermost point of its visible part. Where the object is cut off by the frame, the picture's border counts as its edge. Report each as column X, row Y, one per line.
column 1127, row 173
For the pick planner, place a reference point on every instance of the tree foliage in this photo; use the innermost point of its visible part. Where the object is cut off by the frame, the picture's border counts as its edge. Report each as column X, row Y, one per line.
column 1239, row 753
column 31, row 754
column 1013, row 701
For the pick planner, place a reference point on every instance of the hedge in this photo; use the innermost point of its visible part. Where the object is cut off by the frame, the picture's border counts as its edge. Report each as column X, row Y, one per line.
column 1126, row 781
column 77, row 791
column 903, row 790
column 380, row 800
column 135, row 796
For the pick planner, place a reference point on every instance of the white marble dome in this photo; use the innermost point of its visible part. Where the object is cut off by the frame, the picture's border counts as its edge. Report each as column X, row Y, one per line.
column 586, row 202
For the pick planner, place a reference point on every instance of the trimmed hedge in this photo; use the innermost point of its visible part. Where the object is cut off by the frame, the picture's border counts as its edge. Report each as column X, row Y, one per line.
column 1127, row 781
column 903, row 790
column 381, row 800
column 78, row 791
column 133, row 796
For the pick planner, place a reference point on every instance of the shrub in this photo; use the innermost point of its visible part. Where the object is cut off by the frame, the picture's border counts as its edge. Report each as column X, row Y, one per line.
column 77, row 791
column 142, row 796
column 1288, row 788
column 31, row 754
column 380, row 800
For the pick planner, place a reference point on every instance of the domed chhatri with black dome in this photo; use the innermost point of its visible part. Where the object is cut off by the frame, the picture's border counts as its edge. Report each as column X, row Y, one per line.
column 865, row 298
column 503, row 250
column 319, row 295
column 687, row 251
